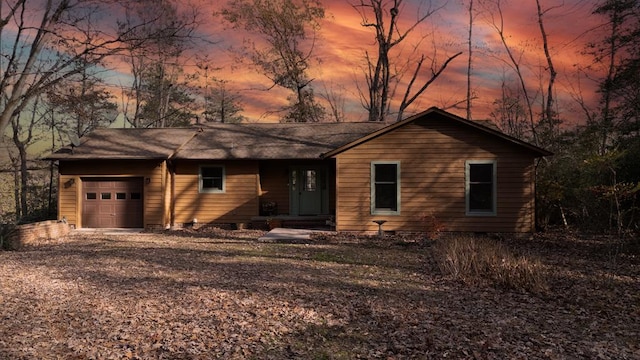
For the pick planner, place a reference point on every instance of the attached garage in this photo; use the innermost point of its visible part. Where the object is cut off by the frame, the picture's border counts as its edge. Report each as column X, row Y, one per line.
column 112, row 202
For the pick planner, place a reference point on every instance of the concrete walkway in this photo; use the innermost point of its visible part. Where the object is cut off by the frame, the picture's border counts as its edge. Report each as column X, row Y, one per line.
column 292, row 235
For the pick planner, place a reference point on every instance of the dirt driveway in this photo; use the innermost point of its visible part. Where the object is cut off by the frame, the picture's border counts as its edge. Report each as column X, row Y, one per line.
column 225, row 295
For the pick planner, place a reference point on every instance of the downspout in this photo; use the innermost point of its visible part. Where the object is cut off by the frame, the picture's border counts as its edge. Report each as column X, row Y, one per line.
column 172, row 194
column 164, row 181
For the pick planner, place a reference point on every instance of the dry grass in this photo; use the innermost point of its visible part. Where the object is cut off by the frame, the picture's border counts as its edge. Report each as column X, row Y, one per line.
column 221, row 294
column 477, row 260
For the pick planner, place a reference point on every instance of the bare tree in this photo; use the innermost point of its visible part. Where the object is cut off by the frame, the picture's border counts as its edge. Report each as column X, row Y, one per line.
column 618, row 53
column 496, row 20
column 24, row 133
column 336, row 101
column 383, row 16
column 66, row 37
column 84, row 101
column 286, row 35
column 222, row 104
column 158, row 93
column 549, row 115
column 435, row 71
column 509, row 112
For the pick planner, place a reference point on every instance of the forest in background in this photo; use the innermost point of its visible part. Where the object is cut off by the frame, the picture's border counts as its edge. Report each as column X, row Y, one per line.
column 55, row 62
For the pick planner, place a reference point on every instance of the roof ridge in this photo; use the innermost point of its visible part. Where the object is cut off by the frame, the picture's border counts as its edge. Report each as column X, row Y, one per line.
column 181, row 146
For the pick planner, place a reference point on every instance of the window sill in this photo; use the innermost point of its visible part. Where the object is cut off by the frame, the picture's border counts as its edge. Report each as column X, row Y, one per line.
column 481, row 213
column 211, row 191
column 385, row 212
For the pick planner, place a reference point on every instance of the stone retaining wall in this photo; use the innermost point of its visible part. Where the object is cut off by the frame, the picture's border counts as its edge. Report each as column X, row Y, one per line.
column 29, row 233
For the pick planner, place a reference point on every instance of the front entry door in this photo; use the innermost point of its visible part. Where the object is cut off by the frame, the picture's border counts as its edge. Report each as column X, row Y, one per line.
column 309, row 195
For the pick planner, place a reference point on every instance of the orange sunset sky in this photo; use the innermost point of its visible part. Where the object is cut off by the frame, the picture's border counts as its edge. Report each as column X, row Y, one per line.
column 343, row 42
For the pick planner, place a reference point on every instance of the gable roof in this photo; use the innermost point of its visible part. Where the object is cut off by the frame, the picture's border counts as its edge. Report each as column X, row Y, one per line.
column 436, row 112
column 218, row 141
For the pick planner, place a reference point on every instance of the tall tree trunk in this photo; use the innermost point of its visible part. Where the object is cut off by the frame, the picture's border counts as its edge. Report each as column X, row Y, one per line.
column 516, row 66
column 51, row 172
column 16, row 189
column 607, row 122
column 22, row 144
column 24, row 181
column 548, row 110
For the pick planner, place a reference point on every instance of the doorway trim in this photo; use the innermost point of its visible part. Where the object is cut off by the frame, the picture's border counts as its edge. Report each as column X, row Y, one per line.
column 309, row 190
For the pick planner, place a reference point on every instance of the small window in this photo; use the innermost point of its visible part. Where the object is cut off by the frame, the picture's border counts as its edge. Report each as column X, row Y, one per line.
column 135, row 196
column 481, row 187
column 121, row 196
column 92, row 196
column 385, row 188
column 294, row 179
column 212, row 179
column 310, row 181
column 105, row 196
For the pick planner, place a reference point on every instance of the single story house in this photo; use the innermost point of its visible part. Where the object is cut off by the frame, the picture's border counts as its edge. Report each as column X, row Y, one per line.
column 469, row 176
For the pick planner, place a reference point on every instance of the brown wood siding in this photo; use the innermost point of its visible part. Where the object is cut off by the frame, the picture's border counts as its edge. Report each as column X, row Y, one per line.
column 432, row 159
column 68, row 207
column 69, row 199
column 274, row 184
column 238, row 203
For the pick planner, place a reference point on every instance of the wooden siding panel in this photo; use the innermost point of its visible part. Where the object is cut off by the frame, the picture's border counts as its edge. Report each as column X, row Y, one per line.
column 432, row 159
column 238, row 203
column 68, row 198
column 274, row 181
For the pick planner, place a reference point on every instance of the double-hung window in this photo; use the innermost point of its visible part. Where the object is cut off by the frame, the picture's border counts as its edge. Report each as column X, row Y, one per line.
column 385, row 187
column 480, row 187
column 211, row 179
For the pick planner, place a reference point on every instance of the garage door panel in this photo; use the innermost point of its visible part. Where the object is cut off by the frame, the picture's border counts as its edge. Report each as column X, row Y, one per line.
column 90, row 214
column 112, row 203
column 106, row 222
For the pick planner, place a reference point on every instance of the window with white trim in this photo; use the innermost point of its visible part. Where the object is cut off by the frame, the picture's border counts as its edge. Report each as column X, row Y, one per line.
column 212, row 179
column 385, row 187
column 480, row 187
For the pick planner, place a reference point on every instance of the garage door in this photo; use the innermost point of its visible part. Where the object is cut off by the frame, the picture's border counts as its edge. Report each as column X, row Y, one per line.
column 112, row 203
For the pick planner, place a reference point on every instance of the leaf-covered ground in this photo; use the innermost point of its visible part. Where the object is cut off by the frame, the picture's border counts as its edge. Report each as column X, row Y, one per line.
column 203, row 295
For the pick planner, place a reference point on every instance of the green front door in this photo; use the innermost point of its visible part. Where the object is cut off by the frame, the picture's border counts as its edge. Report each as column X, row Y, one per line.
column 309, row 195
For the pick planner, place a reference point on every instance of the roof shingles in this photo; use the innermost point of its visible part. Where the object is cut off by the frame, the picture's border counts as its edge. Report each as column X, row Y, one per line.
column 254, row 141
column 218, row 142
column 272, row 141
